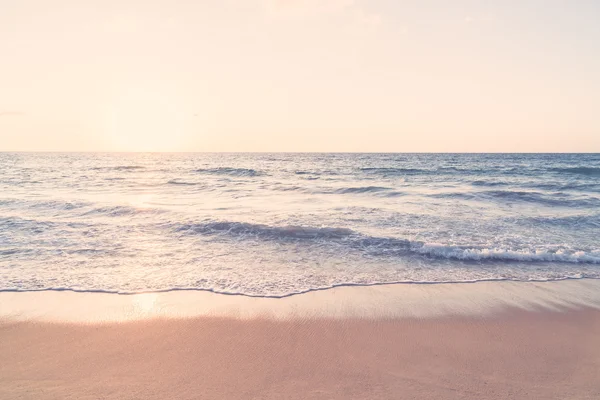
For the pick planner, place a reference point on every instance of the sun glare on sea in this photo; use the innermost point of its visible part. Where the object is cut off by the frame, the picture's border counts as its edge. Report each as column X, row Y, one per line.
column 145, row 120
column 142, row 201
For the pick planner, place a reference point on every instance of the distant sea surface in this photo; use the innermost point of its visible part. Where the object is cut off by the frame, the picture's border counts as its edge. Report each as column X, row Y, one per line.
column 280, row 224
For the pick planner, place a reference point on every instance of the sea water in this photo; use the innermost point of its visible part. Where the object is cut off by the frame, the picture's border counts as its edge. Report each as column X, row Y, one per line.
column 279, row 224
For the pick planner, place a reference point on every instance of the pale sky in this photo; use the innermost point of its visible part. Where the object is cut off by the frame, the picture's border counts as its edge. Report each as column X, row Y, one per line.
column 300, row 75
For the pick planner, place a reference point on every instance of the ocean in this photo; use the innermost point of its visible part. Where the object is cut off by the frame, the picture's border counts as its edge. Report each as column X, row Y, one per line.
column 274, row 225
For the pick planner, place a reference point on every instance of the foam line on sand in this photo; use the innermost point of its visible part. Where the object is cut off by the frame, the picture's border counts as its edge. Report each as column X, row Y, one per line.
column 382, row 301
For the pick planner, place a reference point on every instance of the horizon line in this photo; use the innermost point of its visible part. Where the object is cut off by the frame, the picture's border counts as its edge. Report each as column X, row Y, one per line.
column 286, row 152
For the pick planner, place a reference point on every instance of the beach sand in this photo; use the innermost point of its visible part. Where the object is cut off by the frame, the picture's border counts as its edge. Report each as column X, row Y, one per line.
column 513, row 353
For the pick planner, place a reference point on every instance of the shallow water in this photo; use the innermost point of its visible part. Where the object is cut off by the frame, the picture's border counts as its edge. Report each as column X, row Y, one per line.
column 278, row 224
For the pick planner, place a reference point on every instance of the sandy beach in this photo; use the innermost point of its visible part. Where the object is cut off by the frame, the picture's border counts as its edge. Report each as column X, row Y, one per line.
column 543, row 355
column 510, row 353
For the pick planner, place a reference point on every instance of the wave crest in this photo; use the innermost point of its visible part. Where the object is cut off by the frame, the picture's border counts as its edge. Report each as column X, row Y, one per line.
column 120, row 211
column 240, row 172
column 178, row 182
column 261, row 230
column 588, row 171
column 475, row 254
column 387, row 246
column 362, row 189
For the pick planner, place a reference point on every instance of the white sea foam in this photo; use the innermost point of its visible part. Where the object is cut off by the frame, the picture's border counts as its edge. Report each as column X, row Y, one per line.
column 461, row 253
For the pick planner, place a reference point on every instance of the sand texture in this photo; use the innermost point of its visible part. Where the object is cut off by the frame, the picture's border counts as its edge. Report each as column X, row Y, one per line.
column 513, row 355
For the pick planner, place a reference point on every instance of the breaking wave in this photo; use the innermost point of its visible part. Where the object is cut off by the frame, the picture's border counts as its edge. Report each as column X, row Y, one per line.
column 479, row 254
column 260, row 230
column 387, row 246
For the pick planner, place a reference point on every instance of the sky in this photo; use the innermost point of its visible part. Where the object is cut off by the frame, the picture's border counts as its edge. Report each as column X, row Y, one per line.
column 300, row 75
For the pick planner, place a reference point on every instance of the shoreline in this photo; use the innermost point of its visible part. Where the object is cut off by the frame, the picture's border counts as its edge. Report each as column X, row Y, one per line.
column 292, row 294
column 395, row 300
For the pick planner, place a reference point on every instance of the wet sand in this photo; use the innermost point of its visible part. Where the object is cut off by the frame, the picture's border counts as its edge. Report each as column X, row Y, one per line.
column 411, row 300
column 513, row 354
